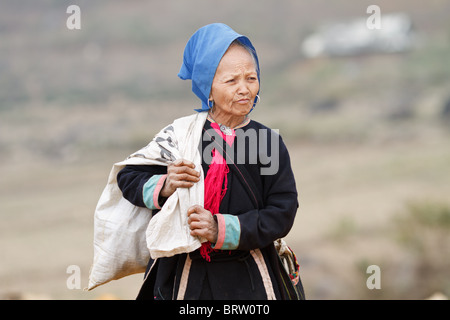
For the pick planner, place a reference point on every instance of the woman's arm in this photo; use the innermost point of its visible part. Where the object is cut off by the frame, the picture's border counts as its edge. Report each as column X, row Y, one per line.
column 257, row 228
column 150, row 186
column 132, row 181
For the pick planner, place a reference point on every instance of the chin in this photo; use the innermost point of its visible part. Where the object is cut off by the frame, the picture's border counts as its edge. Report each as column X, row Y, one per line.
column 242, row 110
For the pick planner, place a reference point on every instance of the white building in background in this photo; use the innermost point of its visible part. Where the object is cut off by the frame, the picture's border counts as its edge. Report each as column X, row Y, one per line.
column 355, row 37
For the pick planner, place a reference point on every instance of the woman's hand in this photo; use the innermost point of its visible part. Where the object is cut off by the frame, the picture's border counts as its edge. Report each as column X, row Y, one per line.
column 180, row 174
column 202, row 223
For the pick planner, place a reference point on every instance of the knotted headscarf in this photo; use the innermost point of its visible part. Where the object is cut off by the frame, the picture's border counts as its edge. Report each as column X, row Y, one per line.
column 202, row 55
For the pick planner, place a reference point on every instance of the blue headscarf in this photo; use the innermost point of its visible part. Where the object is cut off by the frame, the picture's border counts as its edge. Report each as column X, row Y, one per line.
column 202, row 55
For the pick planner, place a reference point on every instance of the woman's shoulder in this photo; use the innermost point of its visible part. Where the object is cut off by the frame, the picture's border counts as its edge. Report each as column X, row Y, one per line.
column 256, row 125
column 185, row 123
column 273, row 136
column 191, row 117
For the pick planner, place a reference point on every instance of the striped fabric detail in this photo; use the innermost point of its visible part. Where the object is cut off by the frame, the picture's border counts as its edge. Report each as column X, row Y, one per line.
column 184, row 278
column 151, row 189
column 229, row 232
column 262, row 267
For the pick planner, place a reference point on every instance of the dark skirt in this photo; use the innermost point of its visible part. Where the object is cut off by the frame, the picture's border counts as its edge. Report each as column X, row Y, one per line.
column 230, row 275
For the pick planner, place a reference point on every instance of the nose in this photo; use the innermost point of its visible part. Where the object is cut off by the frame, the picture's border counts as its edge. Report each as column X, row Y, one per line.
column 243, row 88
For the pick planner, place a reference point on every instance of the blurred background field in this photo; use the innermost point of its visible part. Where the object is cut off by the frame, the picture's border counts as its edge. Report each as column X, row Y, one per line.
column 368, row 133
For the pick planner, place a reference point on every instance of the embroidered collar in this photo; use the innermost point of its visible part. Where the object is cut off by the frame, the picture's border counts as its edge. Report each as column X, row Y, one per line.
column 227, row 130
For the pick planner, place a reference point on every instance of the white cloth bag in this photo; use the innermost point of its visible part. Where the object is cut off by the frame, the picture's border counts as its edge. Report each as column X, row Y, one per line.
column 126, row 236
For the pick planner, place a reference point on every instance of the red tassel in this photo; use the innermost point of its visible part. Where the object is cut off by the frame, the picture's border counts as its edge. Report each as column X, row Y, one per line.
column 216, row 182
column 215, row 188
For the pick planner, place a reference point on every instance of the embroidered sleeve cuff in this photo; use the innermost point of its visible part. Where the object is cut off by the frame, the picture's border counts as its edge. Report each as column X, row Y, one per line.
column 229, row 232
column 151, row 190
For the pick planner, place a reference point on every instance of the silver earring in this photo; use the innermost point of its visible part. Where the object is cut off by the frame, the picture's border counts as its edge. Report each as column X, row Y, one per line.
column 210, row 104
column 255, row 103
column 258, row 99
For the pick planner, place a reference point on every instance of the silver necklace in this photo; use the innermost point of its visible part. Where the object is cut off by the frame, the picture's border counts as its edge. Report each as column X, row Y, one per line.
column 226, row 130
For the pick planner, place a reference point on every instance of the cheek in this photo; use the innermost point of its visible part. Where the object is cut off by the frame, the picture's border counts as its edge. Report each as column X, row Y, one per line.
column 224, row 96
column 255, row 89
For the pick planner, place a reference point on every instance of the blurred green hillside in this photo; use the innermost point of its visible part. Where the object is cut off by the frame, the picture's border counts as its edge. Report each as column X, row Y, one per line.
column 367, row 134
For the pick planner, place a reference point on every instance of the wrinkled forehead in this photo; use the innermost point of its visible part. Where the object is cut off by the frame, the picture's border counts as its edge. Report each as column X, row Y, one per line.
column 237, row 59
column 237, row 56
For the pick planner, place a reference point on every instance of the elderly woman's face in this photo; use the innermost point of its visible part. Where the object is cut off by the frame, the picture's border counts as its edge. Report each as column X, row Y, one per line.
column 235, row 84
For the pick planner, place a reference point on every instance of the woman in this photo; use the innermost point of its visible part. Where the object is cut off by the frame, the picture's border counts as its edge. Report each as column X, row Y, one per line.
column 250, row 197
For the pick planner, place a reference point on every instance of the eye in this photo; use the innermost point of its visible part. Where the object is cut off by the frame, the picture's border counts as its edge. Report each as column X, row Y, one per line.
column 229, row 81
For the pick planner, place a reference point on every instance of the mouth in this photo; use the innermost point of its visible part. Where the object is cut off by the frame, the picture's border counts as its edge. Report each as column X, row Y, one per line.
column 243, row 101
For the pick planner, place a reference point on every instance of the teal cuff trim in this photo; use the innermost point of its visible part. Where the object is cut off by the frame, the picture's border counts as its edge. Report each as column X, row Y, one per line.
column 151, row 189
column 232, row 234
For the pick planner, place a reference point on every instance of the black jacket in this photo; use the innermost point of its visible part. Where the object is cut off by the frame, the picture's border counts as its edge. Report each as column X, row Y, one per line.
column 262, row 193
